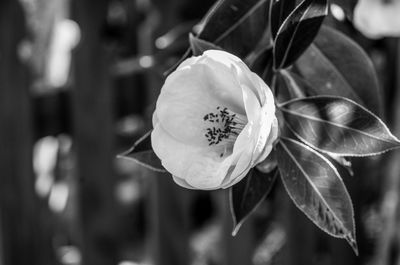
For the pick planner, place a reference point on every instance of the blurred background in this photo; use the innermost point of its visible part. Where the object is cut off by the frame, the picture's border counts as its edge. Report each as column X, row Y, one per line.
column 78, row 82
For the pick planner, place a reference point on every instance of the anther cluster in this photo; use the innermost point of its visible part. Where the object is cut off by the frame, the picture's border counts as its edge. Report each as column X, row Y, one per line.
column 225, row 126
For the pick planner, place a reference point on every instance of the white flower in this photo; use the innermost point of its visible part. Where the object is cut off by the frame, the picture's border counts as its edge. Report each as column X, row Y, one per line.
column 214, row 121
column 378, row 18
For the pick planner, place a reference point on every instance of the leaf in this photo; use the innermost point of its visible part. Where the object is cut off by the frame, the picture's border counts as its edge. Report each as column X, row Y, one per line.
column 289, row 86
column 316, row 188
column 343, row 165
column 236, row 25
column 145, row 158
column 279, row 12
column 298, row 31
column 198, row 46
column 248, row 194
column 335, row 65
column 338, row 125
column 261, row 64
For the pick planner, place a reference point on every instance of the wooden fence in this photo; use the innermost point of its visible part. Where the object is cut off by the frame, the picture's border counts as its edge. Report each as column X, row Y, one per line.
column 97, row 97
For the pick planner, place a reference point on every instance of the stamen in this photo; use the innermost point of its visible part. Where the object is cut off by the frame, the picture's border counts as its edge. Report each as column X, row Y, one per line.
column 226, row 126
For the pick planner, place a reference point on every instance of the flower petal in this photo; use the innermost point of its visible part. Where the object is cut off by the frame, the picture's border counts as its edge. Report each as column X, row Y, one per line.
column 199, row 167
column 192, row 93
column 251, row 103
column 174, row 155
column 241, row 155
column 183, row 183
column 272, row 136
column 206, row 174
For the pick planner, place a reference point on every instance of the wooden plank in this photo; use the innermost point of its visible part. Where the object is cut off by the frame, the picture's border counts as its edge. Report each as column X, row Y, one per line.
column 17, row 198
column 388, row 250
column 300, row 234
column 168, row 221
column 168, row 203
column 239, row 249
column 93, row 134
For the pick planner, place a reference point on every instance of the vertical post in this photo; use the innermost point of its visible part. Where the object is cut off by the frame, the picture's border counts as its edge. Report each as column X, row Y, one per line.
column 392, row 196
column 167, row 202
column 17, row 198
column 395, row 170
column 237, row 250
column 390, row 205
column 93, row 135
column 300, row 234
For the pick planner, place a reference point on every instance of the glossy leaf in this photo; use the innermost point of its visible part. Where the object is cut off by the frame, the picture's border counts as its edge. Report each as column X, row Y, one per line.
column 316, row 188
column 335, row 65
column 236, row 25
column 146, row 158
column 248, row 194
column 298, row 31
column 279, row 12
column 261, row 64
column 338, row 125
column 198, row 46
column 229, row 22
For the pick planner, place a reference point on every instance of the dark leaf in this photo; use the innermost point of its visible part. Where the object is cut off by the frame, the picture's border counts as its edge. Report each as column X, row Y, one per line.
column 279, row 12
column 229, row 22
column 248, row 194
column 298, row 31
column 335, row 65
column 198, row 46
column 261, row 64
column 316, row 188
column 236, row 25
column 338, row 125
column 140, row 154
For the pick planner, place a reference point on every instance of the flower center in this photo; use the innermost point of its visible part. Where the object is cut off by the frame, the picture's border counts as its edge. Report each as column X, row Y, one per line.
column 225, row 126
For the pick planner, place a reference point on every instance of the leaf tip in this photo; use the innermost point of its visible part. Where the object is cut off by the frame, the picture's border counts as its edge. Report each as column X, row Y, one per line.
column 124, row 154
column 353, row 243
column 397, row 142
column 236, row 228
column 119, row 156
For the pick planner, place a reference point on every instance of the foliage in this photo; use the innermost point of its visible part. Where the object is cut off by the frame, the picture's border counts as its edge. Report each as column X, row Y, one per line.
column 326, row 90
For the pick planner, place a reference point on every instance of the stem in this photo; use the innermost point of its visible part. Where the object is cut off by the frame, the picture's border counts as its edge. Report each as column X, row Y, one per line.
column 274, row 88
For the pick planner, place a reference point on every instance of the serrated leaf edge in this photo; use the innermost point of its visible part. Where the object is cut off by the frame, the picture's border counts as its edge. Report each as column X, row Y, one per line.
column 396, row 140
column 349, row 236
